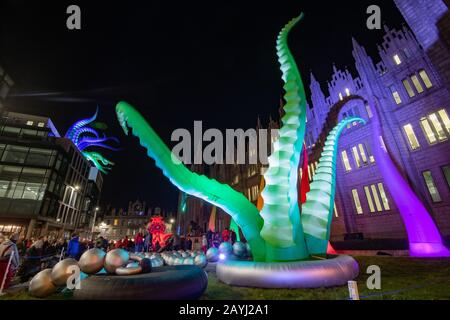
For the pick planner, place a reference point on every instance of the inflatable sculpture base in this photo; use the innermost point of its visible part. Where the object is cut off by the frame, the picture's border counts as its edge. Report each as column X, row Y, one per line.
column 335, row 271
column 164, row 283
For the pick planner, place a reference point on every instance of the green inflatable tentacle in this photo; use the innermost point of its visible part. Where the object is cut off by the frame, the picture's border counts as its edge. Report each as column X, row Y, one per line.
column 98, row 160
column 223, row 196
column 282, row 227
column 317, row 212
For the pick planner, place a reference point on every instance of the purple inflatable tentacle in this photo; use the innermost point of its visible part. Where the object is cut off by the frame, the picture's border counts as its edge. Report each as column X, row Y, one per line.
column 79, row 124
column 423, row 235
column 84, row 130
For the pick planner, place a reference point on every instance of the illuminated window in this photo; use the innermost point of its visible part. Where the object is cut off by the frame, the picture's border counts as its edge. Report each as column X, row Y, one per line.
column 444, row 117
column 376, row 198
column 369, row 111
column 116, row 222
column 356, row 156
column 29, row 123
column 340, row 96
column 362, row 152
column 397, row 59
column 429, row 181
column 396, row 95
column 358, row 207
column 423, row 74
column 369, row 152
column 437, row 126
column 347, row 91
column 313, row 170
column 408, row 88
column 345, row 161
column 336, row 214
column 384, row 198
column 369, row 199
column 41, row 124
column 254, row 193
column 417, row 84
column 429, row 133
column 412, row 139
column 446, row 172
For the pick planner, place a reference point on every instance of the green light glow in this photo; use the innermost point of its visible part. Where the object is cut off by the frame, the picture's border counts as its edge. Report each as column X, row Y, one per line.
column 276, row 233
column 317, row 212
column 98, row 160
column 220, row 195
column 282, row 228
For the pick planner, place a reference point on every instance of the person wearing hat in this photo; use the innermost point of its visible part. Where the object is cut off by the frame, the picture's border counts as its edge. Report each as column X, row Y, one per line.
column 8, row 248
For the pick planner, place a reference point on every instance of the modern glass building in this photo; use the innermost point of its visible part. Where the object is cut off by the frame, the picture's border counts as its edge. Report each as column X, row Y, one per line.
column 46, row 185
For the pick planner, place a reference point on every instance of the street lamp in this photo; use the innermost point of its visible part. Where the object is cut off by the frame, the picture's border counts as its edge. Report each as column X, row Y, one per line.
column 93, row 222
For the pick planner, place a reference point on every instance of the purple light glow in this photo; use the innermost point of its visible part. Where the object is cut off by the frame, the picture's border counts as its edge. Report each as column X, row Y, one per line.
column 423, row 235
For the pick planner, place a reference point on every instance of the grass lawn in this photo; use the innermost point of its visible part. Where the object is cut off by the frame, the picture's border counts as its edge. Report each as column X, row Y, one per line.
column 401, row 278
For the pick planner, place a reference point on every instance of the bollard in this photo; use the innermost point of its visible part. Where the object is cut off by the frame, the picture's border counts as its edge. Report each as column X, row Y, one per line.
column 353, row 290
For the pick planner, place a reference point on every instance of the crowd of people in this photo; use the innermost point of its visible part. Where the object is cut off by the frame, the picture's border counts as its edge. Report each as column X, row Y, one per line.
column 23, row 258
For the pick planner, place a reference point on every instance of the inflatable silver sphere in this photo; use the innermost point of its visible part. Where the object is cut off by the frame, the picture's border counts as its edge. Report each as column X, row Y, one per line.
column 133, row 264
column 167, row 259
column 193, row 254
column 61, row 271
column 41, row 285
column 178, row 261
column 249, row 250
column 189, row 261
column 116, row 258
column 226, row 248
column 185, row 255
column 92, row 261
column 212, row 254
column 239, row 249
column 200, row 261
column 157, row 262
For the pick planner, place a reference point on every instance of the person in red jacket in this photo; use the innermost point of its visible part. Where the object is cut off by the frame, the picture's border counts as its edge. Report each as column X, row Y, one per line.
column 125, row 243
column 226, row 235
column 138, row 242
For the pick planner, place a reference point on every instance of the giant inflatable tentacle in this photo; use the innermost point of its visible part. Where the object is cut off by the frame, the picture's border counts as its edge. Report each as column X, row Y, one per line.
column 88, row 142
column 282, row 227
column 79, row 124
column 223, row 196
column 317, row 212
column 423, row 235
column 98, row 160
column 82, row 131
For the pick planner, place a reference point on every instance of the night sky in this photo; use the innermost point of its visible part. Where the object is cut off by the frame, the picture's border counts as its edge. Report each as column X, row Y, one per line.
column 176, row 62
